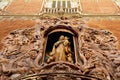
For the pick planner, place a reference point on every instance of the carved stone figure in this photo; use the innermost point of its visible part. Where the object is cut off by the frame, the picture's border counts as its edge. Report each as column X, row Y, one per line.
column 61, row 51
column 96, row 49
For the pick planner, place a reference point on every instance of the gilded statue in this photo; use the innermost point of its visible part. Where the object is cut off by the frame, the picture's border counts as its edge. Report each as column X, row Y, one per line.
column 61, row 51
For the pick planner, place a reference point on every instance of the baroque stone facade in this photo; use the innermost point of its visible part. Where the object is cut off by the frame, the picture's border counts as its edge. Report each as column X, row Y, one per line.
column 94, row 53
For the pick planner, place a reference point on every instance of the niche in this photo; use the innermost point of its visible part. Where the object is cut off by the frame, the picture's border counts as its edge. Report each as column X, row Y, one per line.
column 53, row 42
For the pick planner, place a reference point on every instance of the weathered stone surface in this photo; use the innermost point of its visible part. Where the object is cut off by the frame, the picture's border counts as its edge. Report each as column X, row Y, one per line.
column 98, row 47
column 24, row 50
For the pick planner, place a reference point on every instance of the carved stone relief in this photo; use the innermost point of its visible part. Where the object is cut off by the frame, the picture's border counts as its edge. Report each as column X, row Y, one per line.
column 23, row 53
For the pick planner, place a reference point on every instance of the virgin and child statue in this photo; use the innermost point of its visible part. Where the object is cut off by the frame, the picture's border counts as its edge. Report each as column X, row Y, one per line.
column 61, row 51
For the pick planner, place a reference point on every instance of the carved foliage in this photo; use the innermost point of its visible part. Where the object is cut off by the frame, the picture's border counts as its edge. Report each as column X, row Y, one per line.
column 98, row 50
column 22, row 52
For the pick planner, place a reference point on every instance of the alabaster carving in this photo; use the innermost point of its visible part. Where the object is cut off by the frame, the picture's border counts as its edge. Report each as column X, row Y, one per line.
column 61, row 51
column 96, row 53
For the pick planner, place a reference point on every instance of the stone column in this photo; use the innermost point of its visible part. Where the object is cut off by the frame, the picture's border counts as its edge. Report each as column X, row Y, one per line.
column 68, row 10
column 66, row 4
column 48, row 11
column 65, row 10
column 71, row 10
column 74, row 10
column 56, row 3
column 80, row 6
column 51, row 10
column 44, row 10
column 61, row 3
column 71, row 1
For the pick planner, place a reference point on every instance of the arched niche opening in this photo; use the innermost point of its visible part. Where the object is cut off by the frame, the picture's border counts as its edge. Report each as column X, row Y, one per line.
column 52, row 36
